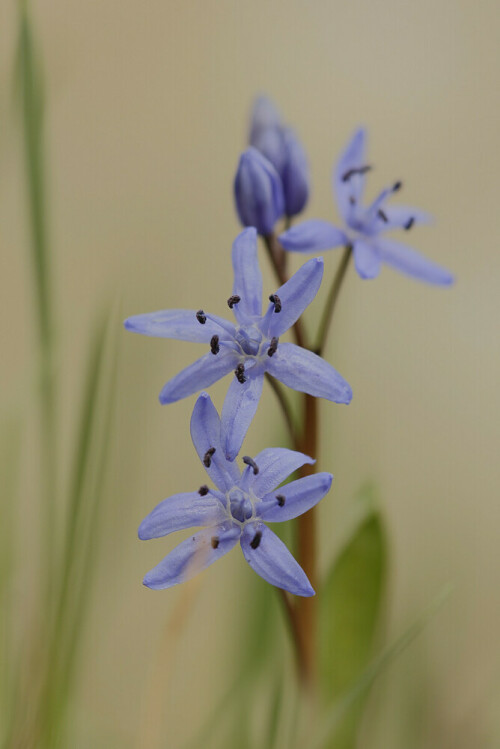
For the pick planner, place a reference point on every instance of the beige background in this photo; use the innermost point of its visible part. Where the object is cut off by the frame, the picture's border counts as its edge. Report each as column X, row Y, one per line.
column 147, row 107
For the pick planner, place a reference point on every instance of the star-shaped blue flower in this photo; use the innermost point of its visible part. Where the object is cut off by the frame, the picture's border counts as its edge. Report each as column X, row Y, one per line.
column 236, row 510
column 366, row 225
column 249, row 348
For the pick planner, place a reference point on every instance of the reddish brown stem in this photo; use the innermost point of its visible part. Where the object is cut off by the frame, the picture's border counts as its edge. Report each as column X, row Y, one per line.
column 306, row 607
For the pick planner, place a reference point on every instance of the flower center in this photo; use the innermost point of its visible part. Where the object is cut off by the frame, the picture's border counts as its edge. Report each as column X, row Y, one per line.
column 240, row 505
column 249, row 339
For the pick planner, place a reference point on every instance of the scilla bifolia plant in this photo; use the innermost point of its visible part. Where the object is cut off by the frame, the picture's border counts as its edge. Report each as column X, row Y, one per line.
column 272, row 183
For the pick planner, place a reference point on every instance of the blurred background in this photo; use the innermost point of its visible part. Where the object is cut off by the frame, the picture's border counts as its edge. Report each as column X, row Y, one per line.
column 147, row 110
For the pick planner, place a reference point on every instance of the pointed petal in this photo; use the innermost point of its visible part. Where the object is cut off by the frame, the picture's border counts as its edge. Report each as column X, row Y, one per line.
column 269, row 558
column 238, row 411
column 366, row 259
column 410, row 262
column 314, row 235
column 206, row 434
column 180, row 324
column 191, row 556
column 348, row 188
column 180, row 511
column 295, row 295
column 308, row 373
column 247, row 276
column 295, row 498
column 202, row 373
column 275, row 465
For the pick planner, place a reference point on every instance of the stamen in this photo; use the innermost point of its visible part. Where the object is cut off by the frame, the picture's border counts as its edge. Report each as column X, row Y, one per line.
column 234, row 299
column 409, row 223
column 240, row 373
column 207, row 458
column 280, row 499
column 251, row 462
column 201, row 317
column 256, row 540
column 357, row 170
column 203, row 490
column 273, row 347
column 215, row 542
column 214, row 344
column 274, row 298
column 397, row 186
column 382, row 215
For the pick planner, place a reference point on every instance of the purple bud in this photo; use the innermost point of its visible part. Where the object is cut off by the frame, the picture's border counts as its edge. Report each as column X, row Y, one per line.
column 258, row 192
column 264, row 115
column 295, row 174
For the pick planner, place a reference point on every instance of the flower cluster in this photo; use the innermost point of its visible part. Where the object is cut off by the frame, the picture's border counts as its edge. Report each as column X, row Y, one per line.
column 272, row 181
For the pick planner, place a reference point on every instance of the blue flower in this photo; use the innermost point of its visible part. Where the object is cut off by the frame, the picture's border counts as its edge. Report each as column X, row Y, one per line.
column 258, row 192
column 249, row 348
column 279, row 144
column 236, row 510
column 365, row 225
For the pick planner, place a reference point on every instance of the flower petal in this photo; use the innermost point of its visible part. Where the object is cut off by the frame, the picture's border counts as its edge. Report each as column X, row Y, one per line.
column 348, row 187
column 295, row 498
column 180, row 511
column 191, row 556
column 180, row 324
column 275, row 464
column 206, row 434
column 238, row 411
column 314, row 235
column 269, row 558
column 295, row 295
column 366, row 259
column 247, row 276
column 198, row 375
column 410, row 262
column 304, row 371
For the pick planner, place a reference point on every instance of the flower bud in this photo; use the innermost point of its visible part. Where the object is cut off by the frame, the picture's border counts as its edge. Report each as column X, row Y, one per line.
column 258, row 192
column 295, row 174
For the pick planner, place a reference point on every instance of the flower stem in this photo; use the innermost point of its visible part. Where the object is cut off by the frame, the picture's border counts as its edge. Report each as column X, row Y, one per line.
column 332, row 300
column 285, row 407
column 307, row 541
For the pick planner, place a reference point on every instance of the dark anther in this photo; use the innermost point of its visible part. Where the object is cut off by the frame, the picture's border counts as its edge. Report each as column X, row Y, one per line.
column 240, row 373
column 254, row 543
column 214, row 344
column 251, row 462
column 397, row 186
column 207, row 458
column 234, row 299
column 214, row 542
column 203, row 490
column 201, row 317
column 382, row 215
column 352, row 200
column 273, row 346
column 409, row 223
column 274, row 298
column 280, row 499
column 351, row 172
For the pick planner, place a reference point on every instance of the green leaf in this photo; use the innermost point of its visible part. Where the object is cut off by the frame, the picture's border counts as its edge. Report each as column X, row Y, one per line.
column 351, row 603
